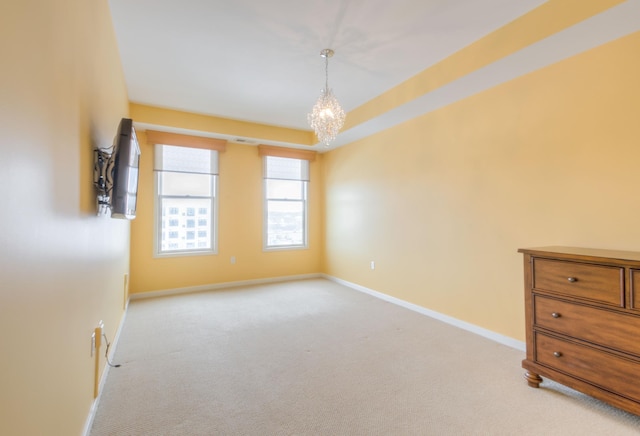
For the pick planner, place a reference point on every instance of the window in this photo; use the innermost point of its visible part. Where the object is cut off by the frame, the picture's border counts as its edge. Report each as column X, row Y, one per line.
column 285, row 188
column 186, row 182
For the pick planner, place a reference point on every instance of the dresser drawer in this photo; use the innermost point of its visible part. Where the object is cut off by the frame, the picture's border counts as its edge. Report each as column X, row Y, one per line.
column 599, row 326
column 582, row 280
column 599, row 368
column 635, row 289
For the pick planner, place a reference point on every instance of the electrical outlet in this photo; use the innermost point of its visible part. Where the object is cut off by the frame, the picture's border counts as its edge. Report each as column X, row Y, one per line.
column 373, row 265
column 233, row 260
column 96, row 336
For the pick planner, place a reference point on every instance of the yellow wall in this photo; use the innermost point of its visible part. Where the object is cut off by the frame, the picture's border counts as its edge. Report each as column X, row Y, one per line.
column 61, row 267
column 442, row 202
column 239, row 229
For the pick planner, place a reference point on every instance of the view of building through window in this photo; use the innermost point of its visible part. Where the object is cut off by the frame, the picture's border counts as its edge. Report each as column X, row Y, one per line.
column 186, row 224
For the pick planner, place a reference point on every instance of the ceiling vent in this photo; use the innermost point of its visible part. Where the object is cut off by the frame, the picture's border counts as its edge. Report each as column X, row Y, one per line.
column 245, row 141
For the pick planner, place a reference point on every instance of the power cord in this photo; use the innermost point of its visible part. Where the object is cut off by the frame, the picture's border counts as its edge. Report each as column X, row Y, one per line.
column 106, row 352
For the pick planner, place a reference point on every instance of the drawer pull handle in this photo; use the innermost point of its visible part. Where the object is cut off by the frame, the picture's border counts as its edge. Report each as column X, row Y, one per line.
column 556, row 315
column 572, row 279
column 557, row 354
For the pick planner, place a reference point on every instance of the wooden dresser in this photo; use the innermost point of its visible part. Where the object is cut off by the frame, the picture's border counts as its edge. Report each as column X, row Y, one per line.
column 582, row 312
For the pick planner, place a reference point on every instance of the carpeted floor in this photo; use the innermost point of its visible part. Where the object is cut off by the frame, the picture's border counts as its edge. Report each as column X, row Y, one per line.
column 316, row 358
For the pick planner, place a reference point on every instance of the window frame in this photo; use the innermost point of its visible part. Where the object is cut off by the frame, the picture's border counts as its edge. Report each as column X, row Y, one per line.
column 212, row 225
column 265, row 207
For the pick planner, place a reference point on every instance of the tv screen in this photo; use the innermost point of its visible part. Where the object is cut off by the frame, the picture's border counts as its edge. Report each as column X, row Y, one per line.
column 125, row 171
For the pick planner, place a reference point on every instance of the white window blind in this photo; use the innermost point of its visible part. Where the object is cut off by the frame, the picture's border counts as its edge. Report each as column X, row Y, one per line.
column 185, row 159
column 283, row 168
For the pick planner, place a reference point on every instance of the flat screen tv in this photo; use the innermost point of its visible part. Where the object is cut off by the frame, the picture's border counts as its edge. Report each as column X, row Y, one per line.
column 125, row 171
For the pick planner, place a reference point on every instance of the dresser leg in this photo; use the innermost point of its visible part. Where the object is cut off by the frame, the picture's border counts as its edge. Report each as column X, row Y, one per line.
column 533, row 379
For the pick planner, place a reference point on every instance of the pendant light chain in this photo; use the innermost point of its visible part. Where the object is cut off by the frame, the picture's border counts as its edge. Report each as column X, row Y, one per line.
column 326, row 72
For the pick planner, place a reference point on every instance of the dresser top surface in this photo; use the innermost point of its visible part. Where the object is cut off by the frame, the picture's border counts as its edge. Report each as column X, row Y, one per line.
column 594, row 254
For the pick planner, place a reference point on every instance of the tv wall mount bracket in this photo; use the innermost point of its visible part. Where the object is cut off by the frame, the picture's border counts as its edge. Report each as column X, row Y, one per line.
column 103, row 163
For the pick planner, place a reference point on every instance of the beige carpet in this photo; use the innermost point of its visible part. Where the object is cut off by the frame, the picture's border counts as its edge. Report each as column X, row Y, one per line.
column 315, row 358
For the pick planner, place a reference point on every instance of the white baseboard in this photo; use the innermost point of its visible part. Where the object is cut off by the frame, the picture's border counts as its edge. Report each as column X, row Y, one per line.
column 225, row 285
column 94, row 406
column 502, row 339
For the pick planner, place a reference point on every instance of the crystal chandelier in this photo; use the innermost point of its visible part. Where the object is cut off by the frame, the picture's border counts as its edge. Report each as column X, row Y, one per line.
column 327, row 116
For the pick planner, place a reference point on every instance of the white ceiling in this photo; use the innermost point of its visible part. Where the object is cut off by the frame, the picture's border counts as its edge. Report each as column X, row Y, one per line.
column 259, row 60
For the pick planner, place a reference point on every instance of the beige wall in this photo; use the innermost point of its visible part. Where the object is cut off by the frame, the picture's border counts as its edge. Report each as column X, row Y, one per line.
column 239, row 227
column 61, row 267
column 441, row 203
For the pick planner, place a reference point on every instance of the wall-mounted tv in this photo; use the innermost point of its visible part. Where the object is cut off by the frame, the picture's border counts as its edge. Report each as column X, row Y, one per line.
column 125, row 171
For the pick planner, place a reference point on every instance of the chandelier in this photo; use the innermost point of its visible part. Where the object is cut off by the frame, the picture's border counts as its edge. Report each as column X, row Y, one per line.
column 327, row 116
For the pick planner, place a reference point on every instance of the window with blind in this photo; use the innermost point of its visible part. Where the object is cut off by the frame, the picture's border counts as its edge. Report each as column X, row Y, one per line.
column 186, row 200
column 285, row 208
